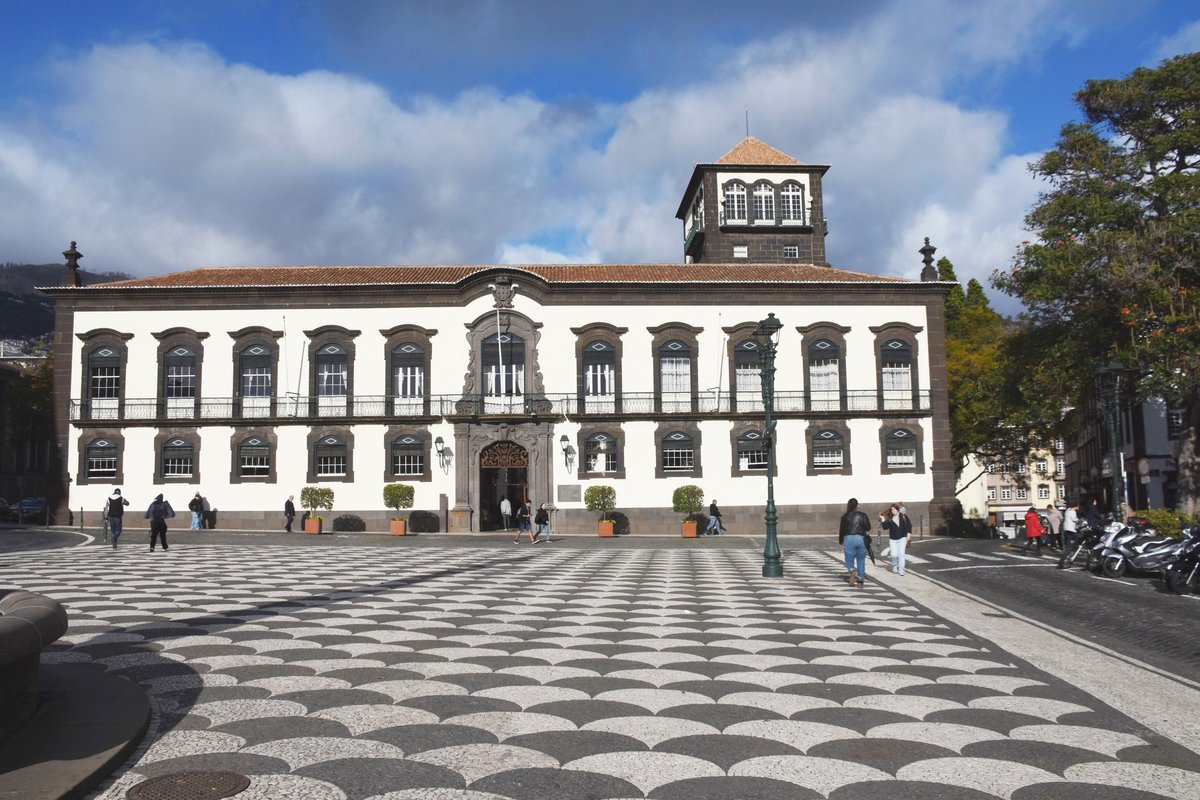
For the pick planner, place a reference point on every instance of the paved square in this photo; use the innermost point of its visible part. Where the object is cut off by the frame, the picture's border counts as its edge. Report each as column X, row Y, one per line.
column 473, row 673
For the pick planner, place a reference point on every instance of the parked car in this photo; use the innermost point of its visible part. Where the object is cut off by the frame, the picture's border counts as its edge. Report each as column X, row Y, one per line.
column 6, row 512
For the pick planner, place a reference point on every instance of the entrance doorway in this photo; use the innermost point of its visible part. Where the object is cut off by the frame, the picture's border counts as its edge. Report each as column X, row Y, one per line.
column 503, row 472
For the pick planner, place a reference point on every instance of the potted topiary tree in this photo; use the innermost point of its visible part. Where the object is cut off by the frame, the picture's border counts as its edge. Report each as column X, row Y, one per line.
column 397, row 496
column 312, row 498
column 688, row 499
column 604, row 500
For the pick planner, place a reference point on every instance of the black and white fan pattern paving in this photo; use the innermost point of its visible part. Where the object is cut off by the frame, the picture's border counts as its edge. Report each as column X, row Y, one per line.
column 476, row 674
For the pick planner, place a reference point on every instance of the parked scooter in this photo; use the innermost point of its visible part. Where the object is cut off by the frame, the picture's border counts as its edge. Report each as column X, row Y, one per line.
column 1182, row 573
column 1085, row 541
column 1137, row 547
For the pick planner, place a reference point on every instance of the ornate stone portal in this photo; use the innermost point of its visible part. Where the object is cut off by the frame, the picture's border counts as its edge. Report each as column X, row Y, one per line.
column 486, row 446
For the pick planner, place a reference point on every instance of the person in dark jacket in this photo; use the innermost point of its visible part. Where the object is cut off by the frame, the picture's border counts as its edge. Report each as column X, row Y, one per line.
column 852, row 535
column 714, row 520
column 1091, row 514
column 115, row 509
column 289, row 511
column 158, row 513
column 523, row 522
column 542, row 520
column 196, row 506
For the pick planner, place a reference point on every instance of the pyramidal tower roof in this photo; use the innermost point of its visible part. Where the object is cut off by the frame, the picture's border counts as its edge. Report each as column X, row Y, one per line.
column 755, row 151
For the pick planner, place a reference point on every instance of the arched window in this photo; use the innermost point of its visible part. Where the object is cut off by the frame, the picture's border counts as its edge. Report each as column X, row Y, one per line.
column 100, row 463
column 764, row 202
column 599, row 377
column 675, row 376
column 177, row 459
column 503, row 359
column 600, row 453
column 895, row 378
column 828, row 450
column 179, row 382
column 824, row 376
column 408, row 456
column 254, row 457
column 331, row 457
column 735, row 202
column 752, row 451
column 791, row 203
column 747, row 376
column 408, row 379
column 255, row 365
column 900, row 449
column 678, row 452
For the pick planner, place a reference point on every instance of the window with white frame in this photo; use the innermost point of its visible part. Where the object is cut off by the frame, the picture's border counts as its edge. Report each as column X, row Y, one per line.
column 991, row 469
column 105, row 374
column 503, row 365
column 791, row 203
column 333, row 370
column 741, row 251
column 1060, row 465
column 764, row 202
column 1022, row 493
column 675, row 375
column 901, row 449
column 1006, row 493
column 1062, row 492
column 600, row 453
column 330, row 457
column 735, row 202
column 1042, row 465
column 828, row 450
column 179, row 373
column 255, row 368
column 991, row 493
column 824, row 376
column 678, row 452
column 254, row 458
column 1043, row 491
column 101, row 459
column 752, row 451
column 408, row 456
column 1021, row 468
column 896, row 374
column 791, row 251
column 178, row 458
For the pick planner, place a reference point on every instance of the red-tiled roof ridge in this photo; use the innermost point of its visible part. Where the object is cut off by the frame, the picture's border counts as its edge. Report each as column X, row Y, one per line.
column 752, row 151
column 450, row 274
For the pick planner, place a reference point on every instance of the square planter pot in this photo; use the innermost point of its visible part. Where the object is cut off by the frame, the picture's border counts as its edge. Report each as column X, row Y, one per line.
column 314, row 525
column 607, row 527
column 399, row 527
column 688, row 529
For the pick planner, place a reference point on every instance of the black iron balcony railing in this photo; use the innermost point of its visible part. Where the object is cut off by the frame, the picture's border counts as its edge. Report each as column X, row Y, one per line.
column 267, row 409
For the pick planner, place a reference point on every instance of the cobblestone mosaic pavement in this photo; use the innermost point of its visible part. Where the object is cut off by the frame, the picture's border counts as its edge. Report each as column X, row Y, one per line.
column 471, row 673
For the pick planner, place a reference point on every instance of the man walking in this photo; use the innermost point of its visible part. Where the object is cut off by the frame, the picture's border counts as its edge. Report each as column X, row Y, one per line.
column 714, row 520
column 115, row 510
column 542, row 519
column 289, row 511
column 158, row 513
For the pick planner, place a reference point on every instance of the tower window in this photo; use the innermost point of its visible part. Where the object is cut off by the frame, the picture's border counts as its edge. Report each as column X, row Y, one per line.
column 764, row 203
column 791, row 251
column 735, row 203
column 791, row 203
column 741, row 251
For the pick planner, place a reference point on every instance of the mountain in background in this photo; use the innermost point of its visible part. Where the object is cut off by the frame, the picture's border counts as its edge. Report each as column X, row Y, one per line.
column 26, row 313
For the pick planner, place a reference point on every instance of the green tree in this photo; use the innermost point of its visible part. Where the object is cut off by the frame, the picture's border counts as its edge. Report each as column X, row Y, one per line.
column 1113, row 272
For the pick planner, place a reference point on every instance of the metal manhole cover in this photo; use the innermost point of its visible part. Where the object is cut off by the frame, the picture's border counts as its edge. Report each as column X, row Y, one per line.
column 206, row 785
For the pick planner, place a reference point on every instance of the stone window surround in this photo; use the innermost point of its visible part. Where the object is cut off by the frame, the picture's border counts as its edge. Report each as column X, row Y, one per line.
column 167, row 434
column 734, row 336
column 93, row 340
column 598, row 332
column 111, row 434
column 319, row 338
column 810, row 334
column 390, row 436
column 588, row 430
column 511, row 322
column 736, row 431
column 913, row 426
column 397, row 336
column 239, row 436
column 660, row 335
column 777, row 200
column 174, row 337
column 906, row 333
column 346, row 434
column 843, row 430
column 248, row 337
column 692, row 429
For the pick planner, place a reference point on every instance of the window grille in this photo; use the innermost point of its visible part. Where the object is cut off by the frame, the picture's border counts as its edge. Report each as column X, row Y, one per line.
column 102, row 459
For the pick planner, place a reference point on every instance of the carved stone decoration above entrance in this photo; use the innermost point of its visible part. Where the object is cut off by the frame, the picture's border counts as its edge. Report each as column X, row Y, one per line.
column 503, row 454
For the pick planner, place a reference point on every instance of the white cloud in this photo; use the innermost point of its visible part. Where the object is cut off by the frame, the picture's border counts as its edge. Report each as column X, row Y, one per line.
column 1186, row 40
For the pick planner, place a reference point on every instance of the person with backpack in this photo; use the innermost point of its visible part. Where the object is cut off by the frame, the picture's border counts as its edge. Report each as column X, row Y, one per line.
column 158, row 513
column 114, row 509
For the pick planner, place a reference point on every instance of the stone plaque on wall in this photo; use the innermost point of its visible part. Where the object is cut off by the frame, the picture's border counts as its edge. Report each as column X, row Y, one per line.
column 569, row 493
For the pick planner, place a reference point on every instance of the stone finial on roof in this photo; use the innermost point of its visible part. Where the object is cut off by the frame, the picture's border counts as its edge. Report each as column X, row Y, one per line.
column 929, row 272
column 752, row 151
column 71, row 276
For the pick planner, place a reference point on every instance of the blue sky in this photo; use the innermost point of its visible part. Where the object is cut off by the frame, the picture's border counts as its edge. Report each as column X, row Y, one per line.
column 169, row 135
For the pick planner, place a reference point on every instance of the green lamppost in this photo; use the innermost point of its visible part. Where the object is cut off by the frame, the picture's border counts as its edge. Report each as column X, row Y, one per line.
column 767, row 337
column 1108, row 379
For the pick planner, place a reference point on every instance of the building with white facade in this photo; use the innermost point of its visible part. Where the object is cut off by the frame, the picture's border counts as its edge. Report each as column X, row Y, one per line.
column 527, row 381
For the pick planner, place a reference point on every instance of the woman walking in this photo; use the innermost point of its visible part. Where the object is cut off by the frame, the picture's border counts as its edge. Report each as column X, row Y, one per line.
column 852, row 535
column 1033, row 530
column 889, row 521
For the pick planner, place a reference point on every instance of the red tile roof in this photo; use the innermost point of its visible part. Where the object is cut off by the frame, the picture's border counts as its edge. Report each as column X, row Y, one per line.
column 751, row 151
column 245, row 277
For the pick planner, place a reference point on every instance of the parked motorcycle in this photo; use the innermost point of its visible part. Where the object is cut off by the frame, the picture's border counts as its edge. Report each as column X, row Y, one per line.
column 1086, row 539
column 1138, row 547
column 1182, row 573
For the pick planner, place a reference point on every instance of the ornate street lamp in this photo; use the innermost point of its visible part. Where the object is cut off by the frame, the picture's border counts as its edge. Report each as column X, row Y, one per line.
column 767, row 337
column 1108, row 387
